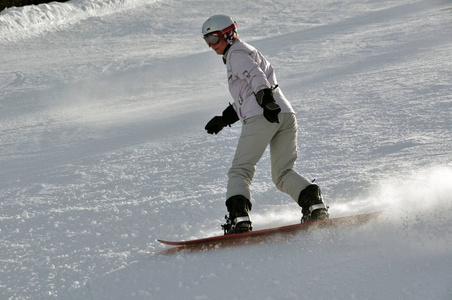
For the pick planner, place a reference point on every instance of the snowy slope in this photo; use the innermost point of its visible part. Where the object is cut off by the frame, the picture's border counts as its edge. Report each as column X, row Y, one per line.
column 102, row 150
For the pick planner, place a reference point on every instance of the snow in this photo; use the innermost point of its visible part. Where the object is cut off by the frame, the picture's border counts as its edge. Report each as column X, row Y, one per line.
column 102, row 150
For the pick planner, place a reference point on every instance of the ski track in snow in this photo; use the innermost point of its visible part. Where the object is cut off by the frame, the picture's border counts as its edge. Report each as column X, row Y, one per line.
column 102, row 150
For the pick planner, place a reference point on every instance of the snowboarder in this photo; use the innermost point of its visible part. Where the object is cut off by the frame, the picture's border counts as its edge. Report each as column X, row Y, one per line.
column 268, row 119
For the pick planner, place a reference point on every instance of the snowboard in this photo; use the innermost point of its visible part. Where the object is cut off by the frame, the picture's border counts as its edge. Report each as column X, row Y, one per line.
column 264, row 234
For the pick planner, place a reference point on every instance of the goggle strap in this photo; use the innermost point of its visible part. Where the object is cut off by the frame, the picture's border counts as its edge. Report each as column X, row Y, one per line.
column 230, row 28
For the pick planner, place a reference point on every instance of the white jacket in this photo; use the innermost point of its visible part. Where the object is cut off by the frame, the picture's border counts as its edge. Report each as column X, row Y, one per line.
column 249, row 72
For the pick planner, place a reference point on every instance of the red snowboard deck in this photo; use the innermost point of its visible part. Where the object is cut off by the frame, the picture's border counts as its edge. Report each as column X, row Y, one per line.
column 256, row 236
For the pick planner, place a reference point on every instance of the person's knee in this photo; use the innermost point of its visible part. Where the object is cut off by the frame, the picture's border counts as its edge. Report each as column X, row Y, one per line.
column 278, row 177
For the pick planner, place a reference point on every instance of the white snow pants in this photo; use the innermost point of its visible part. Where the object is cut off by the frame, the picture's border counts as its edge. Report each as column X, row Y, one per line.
column 257, row 134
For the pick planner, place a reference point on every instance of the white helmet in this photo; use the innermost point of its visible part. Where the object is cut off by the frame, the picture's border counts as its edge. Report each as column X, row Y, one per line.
column 221, row 23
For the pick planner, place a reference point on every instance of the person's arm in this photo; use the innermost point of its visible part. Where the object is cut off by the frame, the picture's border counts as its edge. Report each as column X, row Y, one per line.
column 246, row 68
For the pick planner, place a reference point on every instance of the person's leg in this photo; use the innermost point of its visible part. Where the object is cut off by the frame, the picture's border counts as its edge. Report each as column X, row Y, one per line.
column 255, row 137
column 283, row 151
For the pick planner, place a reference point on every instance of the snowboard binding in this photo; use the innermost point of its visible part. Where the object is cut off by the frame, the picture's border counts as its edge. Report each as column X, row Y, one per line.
column 317, row 212
column 238, row 220
column 237, row 225
column 311, row 202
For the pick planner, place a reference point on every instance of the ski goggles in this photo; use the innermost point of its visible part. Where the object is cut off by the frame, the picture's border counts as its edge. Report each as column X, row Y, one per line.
column 212, row 38
column 215, row 37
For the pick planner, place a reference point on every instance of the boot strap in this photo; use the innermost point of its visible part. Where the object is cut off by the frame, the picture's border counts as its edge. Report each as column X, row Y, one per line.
column 317, row 206
column 241, row 219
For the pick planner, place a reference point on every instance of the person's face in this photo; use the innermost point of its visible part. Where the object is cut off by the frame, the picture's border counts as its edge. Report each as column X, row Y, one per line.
column 215, row 42
column 219, row 48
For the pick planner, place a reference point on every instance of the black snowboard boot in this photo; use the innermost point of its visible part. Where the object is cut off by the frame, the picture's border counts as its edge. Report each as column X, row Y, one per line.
column 313, row 208
column 238, row 220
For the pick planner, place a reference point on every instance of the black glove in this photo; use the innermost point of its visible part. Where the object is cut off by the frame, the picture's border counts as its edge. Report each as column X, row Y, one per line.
column 217, row 123
column 267, row 102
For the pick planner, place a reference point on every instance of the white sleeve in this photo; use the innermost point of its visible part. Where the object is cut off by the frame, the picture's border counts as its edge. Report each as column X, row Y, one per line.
column 246, row 68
